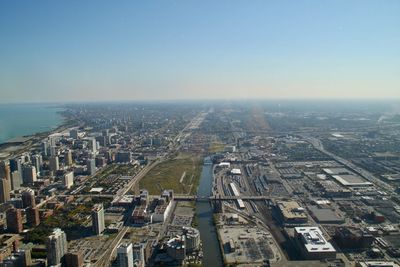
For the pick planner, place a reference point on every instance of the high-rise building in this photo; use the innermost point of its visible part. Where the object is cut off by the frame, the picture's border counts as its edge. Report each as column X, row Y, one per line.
column 32, row 216
column 54, row 163
column 123, row 157
column 73, row 133
column 74, row 259
column 53, row 140
column 28, row 198
column 56, row 246
column 92, row 143
column 91, row 166
column 125, row 255
column 16, row 180
column 45, row 148
column 53, row 151
column 5, row 171
column 14, row 220
column 138, row 255
column 98, row 219
column 18, row 258
column 4, row 190
column 68, row 158
column 102, row 140
column 28, row 174
column 16, row 165
column 68, row 179
column 37, row 161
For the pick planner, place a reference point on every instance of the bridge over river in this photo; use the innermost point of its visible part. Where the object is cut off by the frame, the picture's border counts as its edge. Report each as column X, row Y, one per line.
column 182, row 197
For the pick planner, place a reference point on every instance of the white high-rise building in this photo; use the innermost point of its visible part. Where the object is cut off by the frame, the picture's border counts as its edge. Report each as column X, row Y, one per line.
column 57, row 246
column 125, row 255
column 98, row 219
column 37, row 161
column 68, row 179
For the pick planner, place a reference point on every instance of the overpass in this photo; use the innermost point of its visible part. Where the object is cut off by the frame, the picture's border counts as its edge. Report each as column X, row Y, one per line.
column 180, row 197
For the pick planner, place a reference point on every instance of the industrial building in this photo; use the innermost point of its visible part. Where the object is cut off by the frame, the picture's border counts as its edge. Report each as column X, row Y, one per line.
column 236, row 193
column 312, row 244
column 291, row 212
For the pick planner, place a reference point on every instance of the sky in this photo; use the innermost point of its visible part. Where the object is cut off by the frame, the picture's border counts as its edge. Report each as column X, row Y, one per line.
column 165, row 50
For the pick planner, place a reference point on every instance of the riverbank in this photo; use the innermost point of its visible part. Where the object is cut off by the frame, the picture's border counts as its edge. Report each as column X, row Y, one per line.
column 205, row 220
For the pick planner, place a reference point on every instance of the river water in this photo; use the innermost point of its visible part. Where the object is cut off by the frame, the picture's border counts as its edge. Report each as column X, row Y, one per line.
column 211, row 249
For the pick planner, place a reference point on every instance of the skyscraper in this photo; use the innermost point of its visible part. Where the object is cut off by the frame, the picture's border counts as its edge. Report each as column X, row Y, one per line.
column 91, row 166
column 56, row 246
column 32, row 216
column 16, row 165
column 4, row 190
column 138, row 255
column 54, row 164
column 14, row 220
column 68, row 158
column 73, row 133
column 45, row 148
column 125, row 255
column 98, row 218
column 37, row 162
column 93, row 145
column 68, row 179
column 28, row 174
column 28, row 198
column 5, row 171
column 16, row 180
column 74, row 259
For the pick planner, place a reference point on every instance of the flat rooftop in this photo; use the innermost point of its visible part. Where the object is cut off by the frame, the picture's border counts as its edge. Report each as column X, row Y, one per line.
column 351, row 180
column 335, row 171
column 291, row 210
column 325, row 215
column 313, row 240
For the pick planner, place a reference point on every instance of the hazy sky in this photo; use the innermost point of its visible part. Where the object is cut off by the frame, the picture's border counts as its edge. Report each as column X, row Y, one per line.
column 130, row 50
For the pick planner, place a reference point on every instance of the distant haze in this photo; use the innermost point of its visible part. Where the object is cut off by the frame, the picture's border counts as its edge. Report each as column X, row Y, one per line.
column 157, row 50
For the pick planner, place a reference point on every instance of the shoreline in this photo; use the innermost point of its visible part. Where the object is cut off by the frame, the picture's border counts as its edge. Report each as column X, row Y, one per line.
column 26, row 142
column 63, row 120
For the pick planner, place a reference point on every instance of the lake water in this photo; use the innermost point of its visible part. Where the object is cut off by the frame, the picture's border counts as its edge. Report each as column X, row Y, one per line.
column 26, row 119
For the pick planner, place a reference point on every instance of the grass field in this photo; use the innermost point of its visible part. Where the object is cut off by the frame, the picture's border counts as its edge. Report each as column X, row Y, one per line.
column 216, row 145
column 169, row 174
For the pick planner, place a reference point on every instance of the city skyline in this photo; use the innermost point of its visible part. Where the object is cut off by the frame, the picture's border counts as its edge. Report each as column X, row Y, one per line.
column 97, row 51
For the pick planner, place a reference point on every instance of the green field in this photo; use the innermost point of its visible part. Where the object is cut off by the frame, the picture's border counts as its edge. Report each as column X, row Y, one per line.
column 168, row 175
column 216, row 146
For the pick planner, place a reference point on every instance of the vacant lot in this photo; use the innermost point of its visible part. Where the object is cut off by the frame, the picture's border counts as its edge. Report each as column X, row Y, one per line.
column 180, row 174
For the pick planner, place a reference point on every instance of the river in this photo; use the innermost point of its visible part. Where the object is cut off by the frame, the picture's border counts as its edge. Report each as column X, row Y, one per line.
column 211, row 249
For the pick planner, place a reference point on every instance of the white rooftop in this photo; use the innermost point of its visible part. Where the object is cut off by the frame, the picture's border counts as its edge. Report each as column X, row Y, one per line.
column 351, row 180
column 313, row 240
column 236, row 171
column 96, row 190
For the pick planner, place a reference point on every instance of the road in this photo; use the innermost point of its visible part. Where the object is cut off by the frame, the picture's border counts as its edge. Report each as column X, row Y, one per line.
column 367, row 175
column 107, row 256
